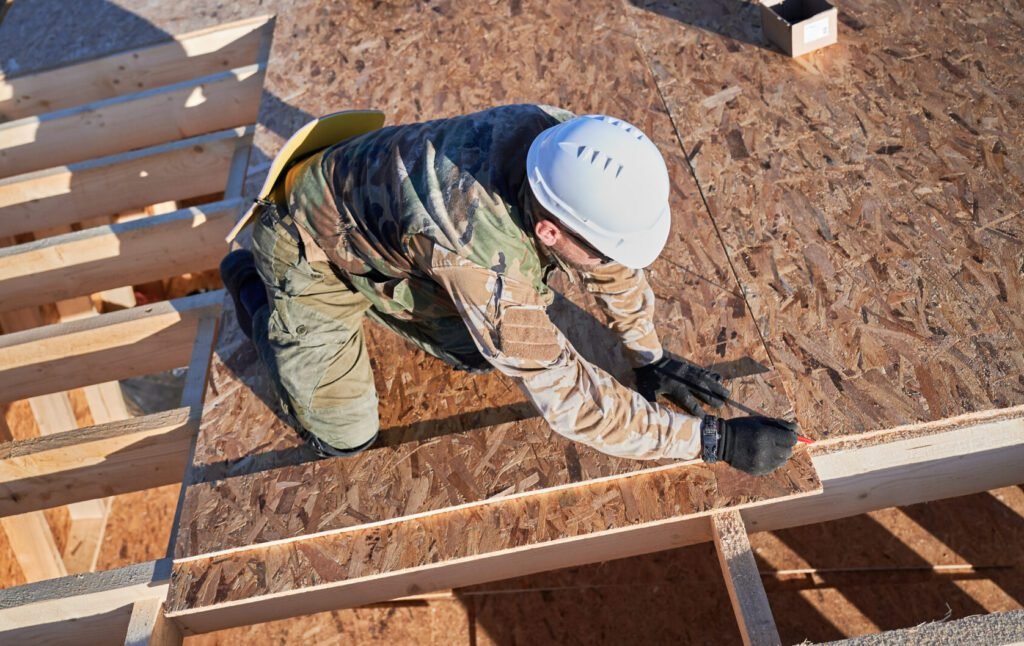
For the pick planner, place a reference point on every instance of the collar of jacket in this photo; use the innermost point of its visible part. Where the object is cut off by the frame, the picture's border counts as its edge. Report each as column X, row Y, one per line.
column 528, row 208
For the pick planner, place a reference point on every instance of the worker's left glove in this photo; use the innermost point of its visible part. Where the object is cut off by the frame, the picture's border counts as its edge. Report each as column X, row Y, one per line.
column 682, row 383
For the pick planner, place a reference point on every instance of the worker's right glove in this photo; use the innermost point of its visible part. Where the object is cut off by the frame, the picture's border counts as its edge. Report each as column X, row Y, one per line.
column 756, row 444
column 682, row 383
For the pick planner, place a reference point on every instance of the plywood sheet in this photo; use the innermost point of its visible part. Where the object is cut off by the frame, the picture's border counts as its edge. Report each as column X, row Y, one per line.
column 870, row 196
column 367, row 553
column 450, row 438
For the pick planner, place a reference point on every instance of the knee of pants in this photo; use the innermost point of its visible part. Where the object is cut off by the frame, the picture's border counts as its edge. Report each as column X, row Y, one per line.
column 342, row 426
column 323, row 376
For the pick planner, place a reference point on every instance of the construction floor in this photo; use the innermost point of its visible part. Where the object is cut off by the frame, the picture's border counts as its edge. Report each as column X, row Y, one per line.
column 848, row 247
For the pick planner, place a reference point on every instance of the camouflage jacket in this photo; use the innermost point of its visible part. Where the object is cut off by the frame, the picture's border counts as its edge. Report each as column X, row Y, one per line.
column 429, row 221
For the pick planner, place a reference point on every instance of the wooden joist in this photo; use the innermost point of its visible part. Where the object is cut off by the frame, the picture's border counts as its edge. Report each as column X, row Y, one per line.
column 32, row 542
column 30, row 537
column 199, row 53
column 92, row 260
column 367, row 564
column 742, row 579
column 149, row 118
column 129, row 181
column 149, row 627
column 139, row 341
column 94, row 462
column 93, row 608
column 112, row 458
column 905, row 466
column 54, row 413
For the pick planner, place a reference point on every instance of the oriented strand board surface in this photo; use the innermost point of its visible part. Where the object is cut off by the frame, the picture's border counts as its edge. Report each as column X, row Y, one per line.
column 452, row 438
column 438, row 623
column 870, row 195
column 365, row 553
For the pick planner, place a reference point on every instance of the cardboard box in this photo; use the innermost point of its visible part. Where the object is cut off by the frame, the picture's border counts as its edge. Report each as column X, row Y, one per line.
column 799, row 26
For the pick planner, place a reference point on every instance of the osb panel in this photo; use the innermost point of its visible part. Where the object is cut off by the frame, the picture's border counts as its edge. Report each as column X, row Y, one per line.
column 438, row 623
column 485, row 529
column 869, row 195
column 452, row 438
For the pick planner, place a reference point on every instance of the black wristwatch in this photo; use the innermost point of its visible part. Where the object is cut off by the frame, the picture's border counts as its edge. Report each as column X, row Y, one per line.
column 709, row 435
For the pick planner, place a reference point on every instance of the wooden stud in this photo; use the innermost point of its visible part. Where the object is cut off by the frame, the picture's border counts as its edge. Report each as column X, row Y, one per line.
column 85, row 534
column 53, row 413
column 192, row 397
column 199, row 53
column 31, row 538
column 905, row 466
column 224, row 100
column 749, row 601
column 142, row 340
column 83, row 609
column 89, row 518
column 199, row 366
column 94, row 462
column 149, row 627
column 92, row 260
column 235, row 183
column 179, row 170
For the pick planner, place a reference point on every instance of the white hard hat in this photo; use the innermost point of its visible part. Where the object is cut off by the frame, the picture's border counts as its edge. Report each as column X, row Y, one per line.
column 607, row 182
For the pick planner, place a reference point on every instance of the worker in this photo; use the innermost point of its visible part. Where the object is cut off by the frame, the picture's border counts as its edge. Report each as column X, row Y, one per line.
column 446, row 232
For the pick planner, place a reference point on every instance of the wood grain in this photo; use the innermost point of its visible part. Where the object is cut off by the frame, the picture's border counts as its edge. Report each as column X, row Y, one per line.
column 749, row 601
column 66, row 195
column 870, row 196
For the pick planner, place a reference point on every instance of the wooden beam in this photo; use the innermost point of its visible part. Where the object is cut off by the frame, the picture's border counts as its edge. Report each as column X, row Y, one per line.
column 907, row 465
column 84, row 609
column 363, row 565
column 139, row 341
column 199, row 53
column 31, row 612
column 95, row 462
column 89, row 518
column 53, row 413
column 149, row 627
column 31, row 538
column 749, row 601
column 87, row 528
column 192, row 397
column 175, row 171
column 224, row 100
column 91, row 260
column 235, row 183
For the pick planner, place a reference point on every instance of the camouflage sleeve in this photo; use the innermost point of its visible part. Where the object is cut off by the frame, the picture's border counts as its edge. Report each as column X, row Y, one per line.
column 508, row 321
column 628, row 300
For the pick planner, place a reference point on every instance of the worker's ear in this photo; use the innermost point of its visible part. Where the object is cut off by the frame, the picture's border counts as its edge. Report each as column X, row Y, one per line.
column 547, row 232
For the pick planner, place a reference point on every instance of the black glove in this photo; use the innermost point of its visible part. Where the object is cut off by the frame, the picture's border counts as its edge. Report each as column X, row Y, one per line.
column 757, row 445
column 682, row 383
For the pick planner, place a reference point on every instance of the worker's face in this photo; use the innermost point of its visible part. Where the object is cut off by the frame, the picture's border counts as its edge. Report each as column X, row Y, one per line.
column 567, row 245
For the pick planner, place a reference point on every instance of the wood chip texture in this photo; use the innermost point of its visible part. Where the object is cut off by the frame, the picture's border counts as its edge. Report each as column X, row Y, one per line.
column 368, row 553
